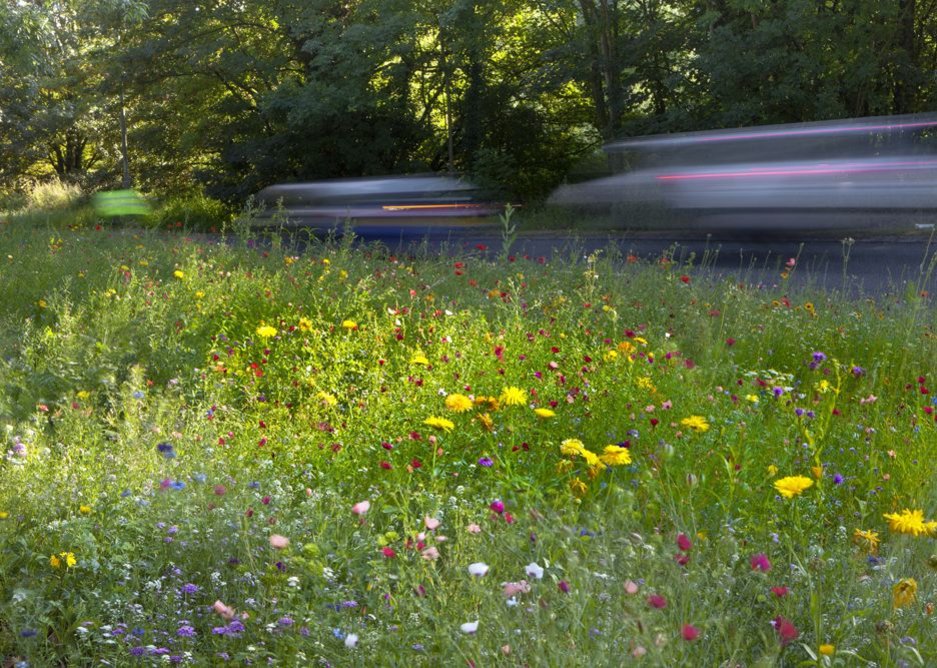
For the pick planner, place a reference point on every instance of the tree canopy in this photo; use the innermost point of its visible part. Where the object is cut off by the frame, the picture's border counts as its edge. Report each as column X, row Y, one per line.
column 232, row 95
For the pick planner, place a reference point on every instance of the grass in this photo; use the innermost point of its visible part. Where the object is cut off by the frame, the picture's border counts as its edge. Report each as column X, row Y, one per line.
column 190, row 428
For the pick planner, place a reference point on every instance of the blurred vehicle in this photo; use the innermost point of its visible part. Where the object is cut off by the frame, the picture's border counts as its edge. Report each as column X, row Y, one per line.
column 383, row 207
column 873, row 166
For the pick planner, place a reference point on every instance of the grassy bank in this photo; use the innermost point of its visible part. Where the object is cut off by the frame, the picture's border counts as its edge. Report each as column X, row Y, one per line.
column 229, row 453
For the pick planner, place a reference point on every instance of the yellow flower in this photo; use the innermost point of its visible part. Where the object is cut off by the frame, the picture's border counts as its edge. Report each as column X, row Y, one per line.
column 326, row 398
column 458, row 403
column 792, row 485
column 439, row 423
column 544, row 413
column 625, row 347
column 824, row 386
column 419, row 358
column 513, row 396
column 305, row 324
column 572, row 447
column 84, row 510
column 69, row 559
column 266, row 331
column 564, row 466
column 491, row 403
column 578, row 487
column 486, row 421
column 911, row 522
column 645, row 383
column 867, row 540
column 615, row 455
column 178, row 274
column 826, row 649
column 809, row 308
column 82, row 394
column 752, row 398
column 817, row 471
column 349, row 324
column 54, row 561
column 695, row 422
column 199, row 294
column 4, row 514
column 592, row 460
column 904, row 592
column 41, row 303
column 772, row 470
column 611, row 355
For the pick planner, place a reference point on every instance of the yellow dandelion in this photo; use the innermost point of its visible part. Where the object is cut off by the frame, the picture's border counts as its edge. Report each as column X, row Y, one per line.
column 305, row 325
column 266, row 331
column 695, row 422
column 615, row 455
column 178, row 274
column 490, row 403
column 84, row 510
column 82, row 394
column 487, row 423
column 826, row 649
column 867, row 540
column 349, row 325
column 458, row 403
column 55, row 562
column 572, row 447
column 611, row 355
column 792, row 485
column 592, row 460
column 513, row 396
column 904, row 592
column 645, row 383
column 69, row 559
column 544, row 413
column 911, row 522
column 439, row 423
column 4, row 514
column 772, row 470
column 751, row 398
column 419, row 358
column 199, row 294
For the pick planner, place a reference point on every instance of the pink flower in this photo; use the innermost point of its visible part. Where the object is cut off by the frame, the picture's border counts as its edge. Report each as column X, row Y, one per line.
column 388, row 552
column 223, row 610
column 497, row 505
column 760, row 562
column 564, row 586
column 780, row 592
column 361, row 507
column 278, row 542
column 473, row 528
column 430, row 554
column 631, row 587
column 514, row 588
column 657, row 601
column 689, row 632
column 683, row 543
column 431, row 522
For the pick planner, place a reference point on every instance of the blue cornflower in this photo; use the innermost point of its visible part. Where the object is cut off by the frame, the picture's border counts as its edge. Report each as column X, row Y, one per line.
column 138, row 394
column 486, row 462
column 27, row 633
column 838, row 479
column 177, row 485
column 166, row 450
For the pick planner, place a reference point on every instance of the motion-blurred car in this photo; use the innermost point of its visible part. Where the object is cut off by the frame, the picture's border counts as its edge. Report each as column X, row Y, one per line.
column 380, row 207
column 872, row 166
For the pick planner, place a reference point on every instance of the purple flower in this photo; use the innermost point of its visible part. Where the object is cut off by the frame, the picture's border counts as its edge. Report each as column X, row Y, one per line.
column 285, row 621
column 188, row 588
column 778, row 391
column 166, row 450
column 27, row 633
column 819, row 357
column 497, row 505
column 858, row 371
column 486, row 462
column 139, row 650
column 799, row 412
column 186, row 631
column 760, row 562
column 838, row 479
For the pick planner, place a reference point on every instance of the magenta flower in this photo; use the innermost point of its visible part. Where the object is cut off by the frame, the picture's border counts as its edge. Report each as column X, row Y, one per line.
column 657, row 601
column 760, row 562
column 497, row 505
column 689, row 632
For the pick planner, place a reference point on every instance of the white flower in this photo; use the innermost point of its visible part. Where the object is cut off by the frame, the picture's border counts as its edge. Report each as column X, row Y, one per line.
column 534, row 570
column 351, row 640
column 478, row 569
column 469, row 627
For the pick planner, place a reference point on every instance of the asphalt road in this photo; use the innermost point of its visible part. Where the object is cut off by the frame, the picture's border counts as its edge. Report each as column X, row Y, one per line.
column 863, row 266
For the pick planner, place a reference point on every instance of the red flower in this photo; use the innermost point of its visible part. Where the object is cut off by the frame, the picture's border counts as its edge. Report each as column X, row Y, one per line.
column 689, row 632
column 780, row 592
column 683, row 543
column 388, row 552
column 786, row 629
column 386, row 465
column 657, row 601
column 685, row 278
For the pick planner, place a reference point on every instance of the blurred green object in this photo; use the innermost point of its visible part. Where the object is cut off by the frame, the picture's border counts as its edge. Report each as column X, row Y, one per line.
column 120, row 203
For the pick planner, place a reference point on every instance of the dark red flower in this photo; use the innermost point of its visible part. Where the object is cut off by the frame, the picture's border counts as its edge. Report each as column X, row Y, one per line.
column 786, row 629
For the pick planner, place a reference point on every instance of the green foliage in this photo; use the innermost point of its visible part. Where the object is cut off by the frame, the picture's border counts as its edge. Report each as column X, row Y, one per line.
column 190, row 211
column 169, row 406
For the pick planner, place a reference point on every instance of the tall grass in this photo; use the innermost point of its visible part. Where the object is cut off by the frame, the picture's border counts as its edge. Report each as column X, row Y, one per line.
column 199, row 422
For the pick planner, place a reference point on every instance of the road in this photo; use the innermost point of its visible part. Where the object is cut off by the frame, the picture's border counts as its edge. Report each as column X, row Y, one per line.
column 862, row 266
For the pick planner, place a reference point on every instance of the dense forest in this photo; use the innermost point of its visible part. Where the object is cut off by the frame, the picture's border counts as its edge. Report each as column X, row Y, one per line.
column 231, row 95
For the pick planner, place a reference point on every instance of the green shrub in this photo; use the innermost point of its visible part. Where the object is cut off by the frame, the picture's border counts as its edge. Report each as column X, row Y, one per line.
column 54, row 195
column 191, row 211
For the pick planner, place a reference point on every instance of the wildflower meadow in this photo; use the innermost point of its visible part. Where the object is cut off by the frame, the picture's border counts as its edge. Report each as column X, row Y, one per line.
column 225, row 452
